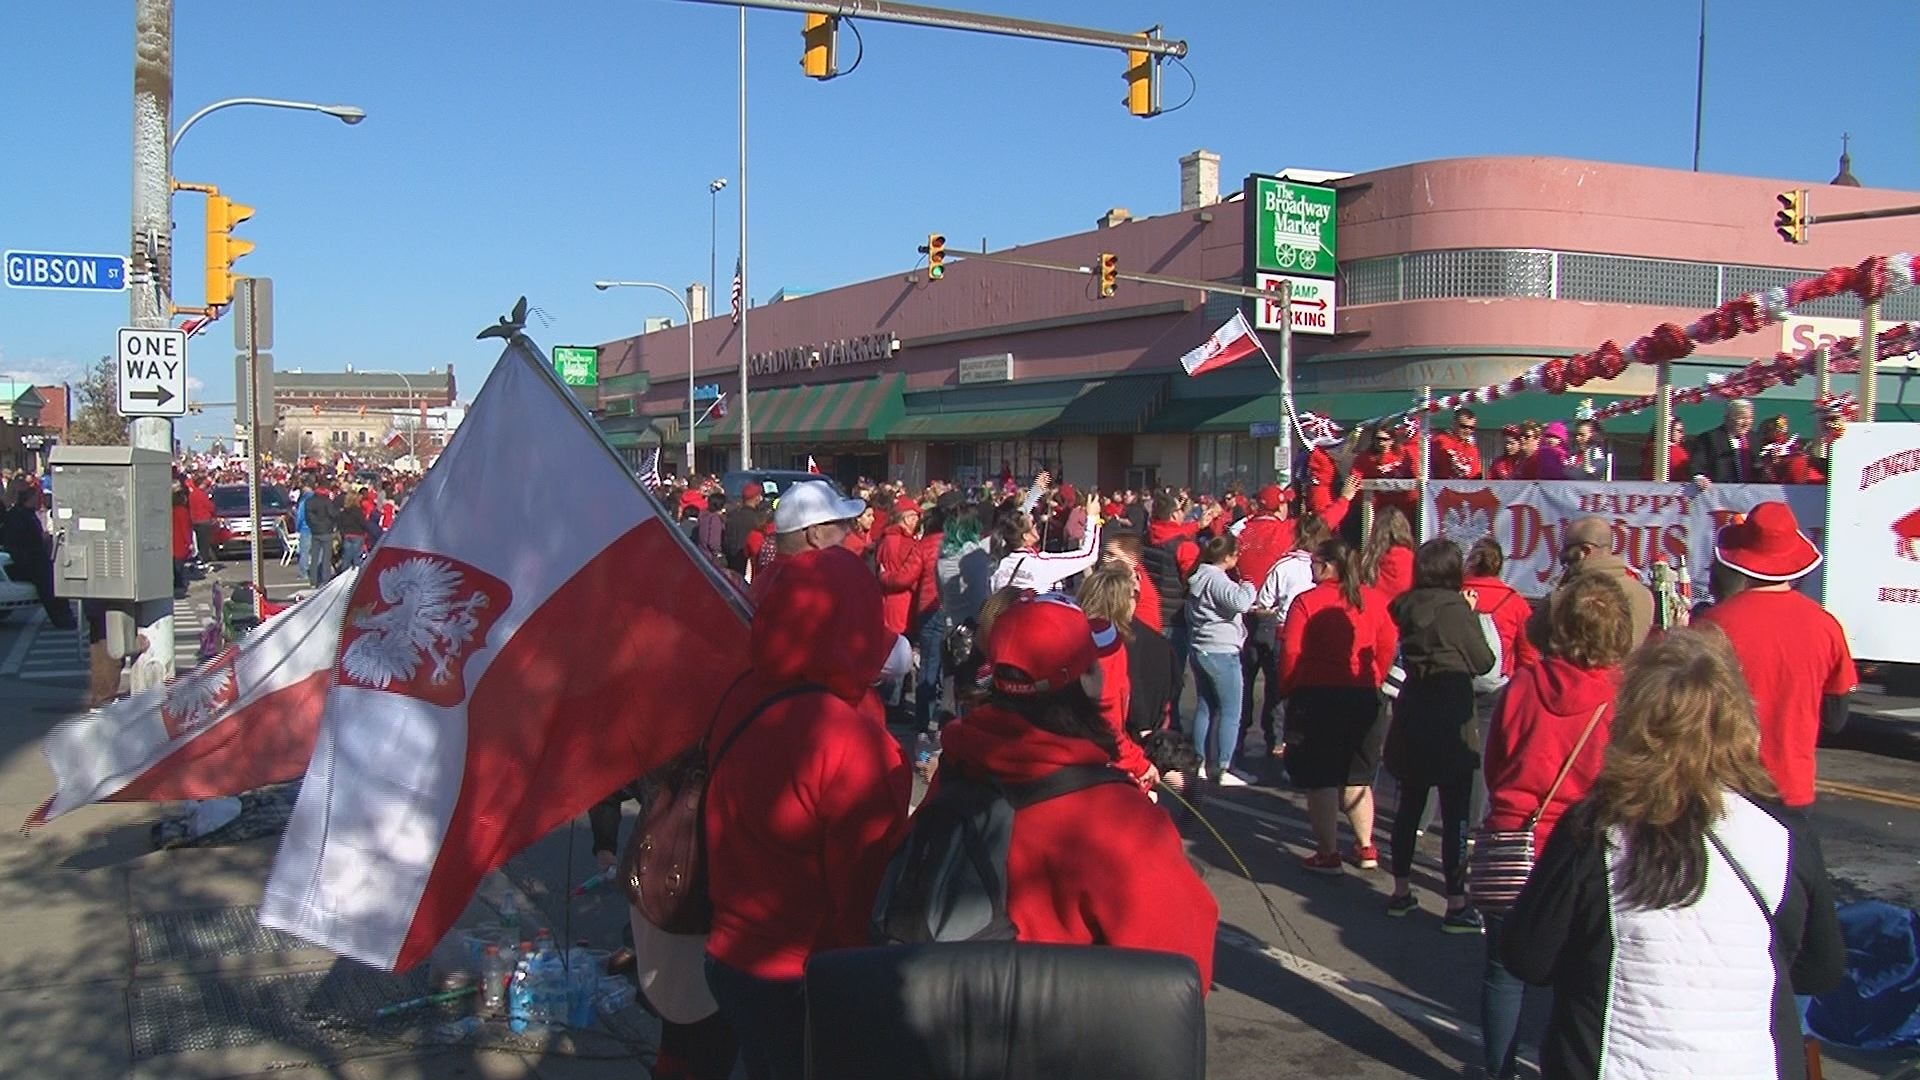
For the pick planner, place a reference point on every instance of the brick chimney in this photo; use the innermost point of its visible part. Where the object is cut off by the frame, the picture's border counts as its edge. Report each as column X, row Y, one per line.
column 1199, row 180
column 697, row 301
column 1119, row 215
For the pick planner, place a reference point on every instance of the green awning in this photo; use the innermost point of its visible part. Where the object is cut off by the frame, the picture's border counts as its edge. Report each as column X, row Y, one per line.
column 864, row 411
column 1122, row 406
column 974, row 423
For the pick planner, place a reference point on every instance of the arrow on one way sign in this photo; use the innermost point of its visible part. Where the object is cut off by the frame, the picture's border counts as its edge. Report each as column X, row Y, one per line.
column 159, row 395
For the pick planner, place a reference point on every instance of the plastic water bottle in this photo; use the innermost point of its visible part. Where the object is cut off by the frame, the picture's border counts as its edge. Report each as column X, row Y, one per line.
column 520, row 998
column 510, row 916
column 548, row 973
column 494, row 973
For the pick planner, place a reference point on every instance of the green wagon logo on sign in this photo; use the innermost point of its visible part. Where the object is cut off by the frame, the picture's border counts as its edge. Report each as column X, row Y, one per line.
column 578, row 365
column 1293, row 227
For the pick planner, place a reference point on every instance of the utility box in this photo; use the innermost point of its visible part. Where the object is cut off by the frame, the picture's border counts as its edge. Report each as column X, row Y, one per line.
column 112, row 523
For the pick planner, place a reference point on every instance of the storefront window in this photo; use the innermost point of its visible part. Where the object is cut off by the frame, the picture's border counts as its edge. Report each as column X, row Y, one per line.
column 986, row 462
column 1220, row 461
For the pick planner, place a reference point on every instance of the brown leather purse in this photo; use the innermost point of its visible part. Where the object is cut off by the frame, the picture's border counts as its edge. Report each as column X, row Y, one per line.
column 664, row 867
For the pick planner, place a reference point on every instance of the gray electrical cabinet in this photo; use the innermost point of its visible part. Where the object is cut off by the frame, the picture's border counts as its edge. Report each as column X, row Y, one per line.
column 112, row 523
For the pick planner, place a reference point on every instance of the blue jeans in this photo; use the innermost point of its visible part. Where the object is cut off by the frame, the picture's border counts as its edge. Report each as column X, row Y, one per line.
column 1216, row 710
column 768, row 1016
column 320, row 570
column 306, row 553
column 926, row 692
column 1501, row 996
column 351, row 549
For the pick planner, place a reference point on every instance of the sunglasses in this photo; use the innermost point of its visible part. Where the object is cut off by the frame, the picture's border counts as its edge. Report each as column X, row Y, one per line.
column 1466, row 427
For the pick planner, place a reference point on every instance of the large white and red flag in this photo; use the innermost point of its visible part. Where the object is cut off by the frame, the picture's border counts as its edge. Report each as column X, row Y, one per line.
column 531, row 634
column 1233, row 341
column 244, row 719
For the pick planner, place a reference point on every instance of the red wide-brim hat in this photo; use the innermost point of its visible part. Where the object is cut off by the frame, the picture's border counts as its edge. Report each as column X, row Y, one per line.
column 1768, row 545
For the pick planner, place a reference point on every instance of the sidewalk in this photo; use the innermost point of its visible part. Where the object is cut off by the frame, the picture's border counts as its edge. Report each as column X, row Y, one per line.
column 131, row 962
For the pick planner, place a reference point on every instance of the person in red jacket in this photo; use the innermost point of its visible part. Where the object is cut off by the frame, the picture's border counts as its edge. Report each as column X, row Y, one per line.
column 200, row 514
column 1509, row 465
column 1492, row 596
column 901, row 564
column 1108, row 597
column 1454, row 454
column 929, row 629
column 1336, row 645
column 1386, row 562
column 1099, row 866
column 182, row 538
column 807, row 806
column 1536, row 729
column 1384, row 460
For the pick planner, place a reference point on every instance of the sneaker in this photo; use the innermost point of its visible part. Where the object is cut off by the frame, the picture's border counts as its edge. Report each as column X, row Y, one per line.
column 1367, row 858
column 1464, row 921
column 1234, row 778
column 1328, row 862
column 1399, row 906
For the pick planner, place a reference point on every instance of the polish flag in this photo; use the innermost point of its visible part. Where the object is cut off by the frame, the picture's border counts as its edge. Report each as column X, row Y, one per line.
column 242, row 720
column 514, row 650
column 812, row 465
column 1234, row 341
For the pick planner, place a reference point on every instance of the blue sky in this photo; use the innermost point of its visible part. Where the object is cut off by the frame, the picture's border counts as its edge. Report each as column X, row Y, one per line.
column 521, row 148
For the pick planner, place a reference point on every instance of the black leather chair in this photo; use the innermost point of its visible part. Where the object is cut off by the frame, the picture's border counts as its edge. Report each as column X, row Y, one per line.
column 1004, row 1011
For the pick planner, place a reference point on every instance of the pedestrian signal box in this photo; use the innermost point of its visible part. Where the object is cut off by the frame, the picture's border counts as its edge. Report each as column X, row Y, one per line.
column 112, row 523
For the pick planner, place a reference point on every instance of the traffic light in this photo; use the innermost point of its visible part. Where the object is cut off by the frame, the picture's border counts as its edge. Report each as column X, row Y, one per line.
column 222, row 249
column 936, row 250
column 1109, row 273
column 1791, row 221
column 819, row 51
column 1143, row 82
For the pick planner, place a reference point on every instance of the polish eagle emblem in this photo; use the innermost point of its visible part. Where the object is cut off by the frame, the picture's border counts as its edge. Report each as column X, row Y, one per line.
column 194, row 701
column 430, row 614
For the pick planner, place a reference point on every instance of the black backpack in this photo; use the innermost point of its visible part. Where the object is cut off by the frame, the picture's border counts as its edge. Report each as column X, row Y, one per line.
column 948, row 881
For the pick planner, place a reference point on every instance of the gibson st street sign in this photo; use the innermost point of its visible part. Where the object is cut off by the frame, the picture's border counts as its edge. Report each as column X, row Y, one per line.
column 865, row 349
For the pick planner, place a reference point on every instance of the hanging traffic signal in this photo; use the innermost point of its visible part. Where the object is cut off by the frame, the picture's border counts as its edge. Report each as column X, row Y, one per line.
column 222, row 248
column 936, row 250
column 1143, row 82
column 1109, row 273
column 1791, row 221
column 819, row 50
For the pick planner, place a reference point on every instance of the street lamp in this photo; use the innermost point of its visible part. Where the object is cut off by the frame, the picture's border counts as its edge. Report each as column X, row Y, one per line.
column 713, row 238
column 346, row 114
column 603, row 286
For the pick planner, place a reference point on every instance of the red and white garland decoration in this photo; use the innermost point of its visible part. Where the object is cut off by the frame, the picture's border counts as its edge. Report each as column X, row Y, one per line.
column 1871, row 280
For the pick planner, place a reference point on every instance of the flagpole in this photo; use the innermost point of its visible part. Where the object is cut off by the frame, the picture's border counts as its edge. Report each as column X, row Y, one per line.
column 746, row 418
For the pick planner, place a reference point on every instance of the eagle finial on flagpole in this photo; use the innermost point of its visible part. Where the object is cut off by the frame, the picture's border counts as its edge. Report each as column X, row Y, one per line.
column 509, row 326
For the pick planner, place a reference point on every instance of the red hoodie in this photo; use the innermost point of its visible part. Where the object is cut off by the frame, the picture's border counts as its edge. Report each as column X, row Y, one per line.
column 1534, row 728
column 926, row 594
column 1322, row 475
column 1323, row 642
column 1100, row 866
column 1510, row 610
column 807, row 807
column 1264, row 539
column 899, row 559
column 1396, row 572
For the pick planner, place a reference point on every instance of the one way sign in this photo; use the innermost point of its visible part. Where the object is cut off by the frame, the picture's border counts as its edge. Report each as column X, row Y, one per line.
column 153, row 372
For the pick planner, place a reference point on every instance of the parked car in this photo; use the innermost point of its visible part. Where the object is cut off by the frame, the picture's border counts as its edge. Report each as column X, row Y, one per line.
column 772, row 481
column 233, row 525
column 14, row 595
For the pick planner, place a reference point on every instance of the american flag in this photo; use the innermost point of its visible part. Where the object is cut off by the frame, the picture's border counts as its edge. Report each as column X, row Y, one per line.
column 649, row 471
column 736, row 292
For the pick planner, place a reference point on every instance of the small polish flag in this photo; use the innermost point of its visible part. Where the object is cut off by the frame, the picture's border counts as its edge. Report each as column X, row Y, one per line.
column 242, row 720
column 1234, row 341
column 812, row 465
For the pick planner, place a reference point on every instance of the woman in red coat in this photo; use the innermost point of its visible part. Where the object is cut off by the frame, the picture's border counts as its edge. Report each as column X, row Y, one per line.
column 182, row 539
column 1098, row 866
column 898, row 557
column 1386, row 563
column 1536, row 727
column 1336, row 645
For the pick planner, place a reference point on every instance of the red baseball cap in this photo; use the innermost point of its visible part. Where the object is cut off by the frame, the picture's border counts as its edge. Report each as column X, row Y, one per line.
column 1273, row 497
column 1041, row 645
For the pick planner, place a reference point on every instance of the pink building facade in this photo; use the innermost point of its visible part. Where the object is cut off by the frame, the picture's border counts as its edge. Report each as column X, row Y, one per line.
column 1452, row 274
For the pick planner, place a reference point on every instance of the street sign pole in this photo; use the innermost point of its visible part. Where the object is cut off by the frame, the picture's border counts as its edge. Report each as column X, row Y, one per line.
column 150, row 277
column 1283, row 448
column 253, row 445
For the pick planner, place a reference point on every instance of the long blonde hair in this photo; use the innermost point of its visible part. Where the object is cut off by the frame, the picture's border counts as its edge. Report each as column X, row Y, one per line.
column 1683, row 733
column 1111, row 593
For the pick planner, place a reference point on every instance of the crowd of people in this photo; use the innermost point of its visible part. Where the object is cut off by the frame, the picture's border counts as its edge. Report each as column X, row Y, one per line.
column 1023, row 632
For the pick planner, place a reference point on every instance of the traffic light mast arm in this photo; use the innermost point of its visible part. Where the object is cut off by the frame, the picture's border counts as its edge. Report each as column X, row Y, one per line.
column 1123, row 275
column 1863, row 215
column 947, row 19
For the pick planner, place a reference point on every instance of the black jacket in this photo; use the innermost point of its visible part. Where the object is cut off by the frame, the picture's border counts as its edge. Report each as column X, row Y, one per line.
column 323, row 517
column 1163, row 567
column 742, row 520
column 1150, row 670
column 1439, row 634
column 1711, row 454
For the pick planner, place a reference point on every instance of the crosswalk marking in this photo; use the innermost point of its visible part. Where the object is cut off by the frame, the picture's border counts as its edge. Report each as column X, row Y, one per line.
column 56, row 655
